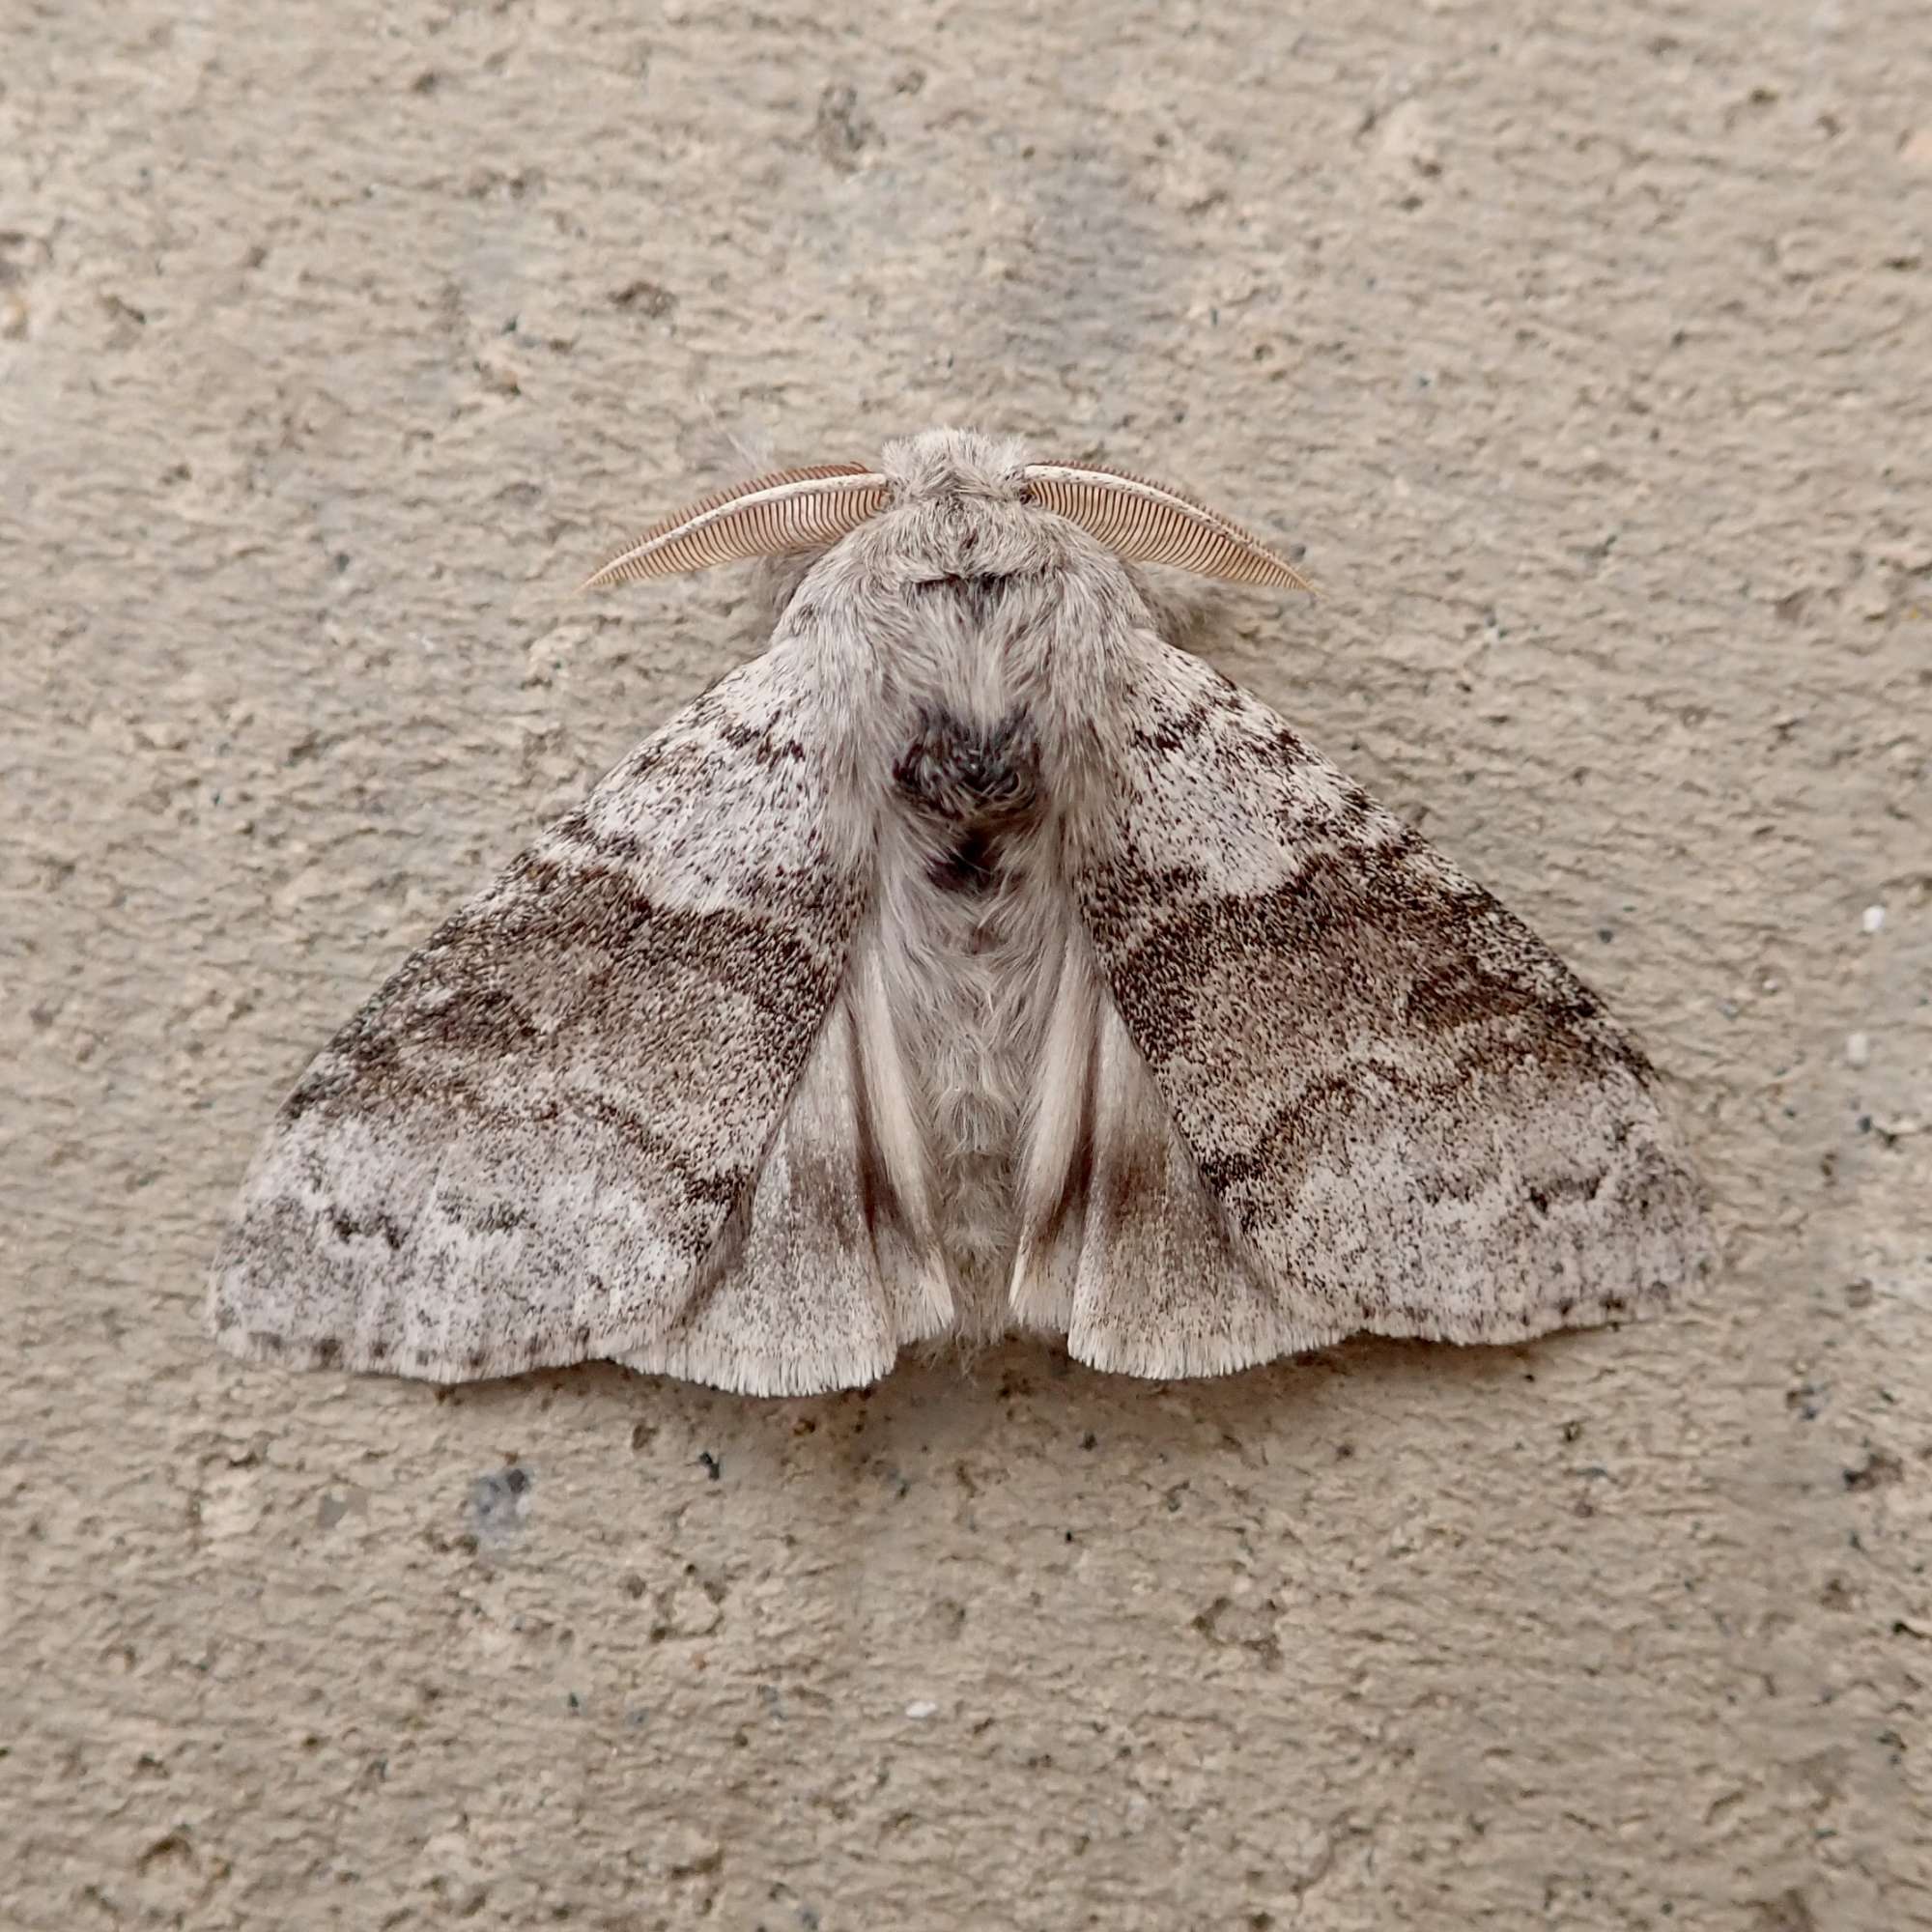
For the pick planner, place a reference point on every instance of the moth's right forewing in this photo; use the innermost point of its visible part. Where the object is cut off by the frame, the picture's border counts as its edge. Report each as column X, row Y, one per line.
column 1414, row 1118
column 522, row 1149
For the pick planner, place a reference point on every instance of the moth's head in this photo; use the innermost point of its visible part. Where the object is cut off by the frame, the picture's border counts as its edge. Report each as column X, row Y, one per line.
column 953, row 503
column 959, row 506
column 956, row 465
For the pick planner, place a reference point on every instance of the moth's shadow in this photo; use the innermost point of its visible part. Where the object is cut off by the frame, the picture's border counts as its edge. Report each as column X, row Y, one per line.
column 1326, row 1402
column 1028, row 1402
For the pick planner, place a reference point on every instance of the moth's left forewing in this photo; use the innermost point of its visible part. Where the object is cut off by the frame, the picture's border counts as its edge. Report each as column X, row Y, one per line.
column 1414, row 1118
column 524, row 1149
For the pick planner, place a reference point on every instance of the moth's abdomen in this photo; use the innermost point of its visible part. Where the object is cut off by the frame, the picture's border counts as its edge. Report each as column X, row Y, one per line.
column 970, row 910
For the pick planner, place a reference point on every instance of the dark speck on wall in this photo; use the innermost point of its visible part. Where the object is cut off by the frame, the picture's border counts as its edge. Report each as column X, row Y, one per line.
column 499, row 1503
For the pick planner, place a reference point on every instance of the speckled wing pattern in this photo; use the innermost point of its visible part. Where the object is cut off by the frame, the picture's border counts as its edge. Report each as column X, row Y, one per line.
column 1415, row 1120
column 828, row 1264
column 523, row 1148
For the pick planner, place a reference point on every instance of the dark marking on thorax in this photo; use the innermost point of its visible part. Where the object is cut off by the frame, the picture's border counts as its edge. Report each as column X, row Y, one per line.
column 976, row 786
column 980, row 600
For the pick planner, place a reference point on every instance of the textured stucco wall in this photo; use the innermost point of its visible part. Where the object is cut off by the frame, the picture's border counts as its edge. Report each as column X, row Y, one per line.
column 1586, row 350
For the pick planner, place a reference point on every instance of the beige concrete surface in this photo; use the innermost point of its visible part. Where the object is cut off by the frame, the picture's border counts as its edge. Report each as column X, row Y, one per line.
column 1585, row 347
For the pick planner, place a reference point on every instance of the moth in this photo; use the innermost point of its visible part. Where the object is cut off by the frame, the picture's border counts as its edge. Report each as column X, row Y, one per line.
column 975, row 959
